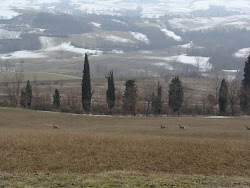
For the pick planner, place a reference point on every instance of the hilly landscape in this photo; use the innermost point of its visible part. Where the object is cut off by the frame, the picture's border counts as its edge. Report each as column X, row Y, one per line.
column 122, row 93
column 135, row 38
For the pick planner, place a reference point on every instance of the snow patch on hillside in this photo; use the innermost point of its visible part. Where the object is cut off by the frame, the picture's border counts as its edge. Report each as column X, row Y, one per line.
column 98, row 25
column 107, row 7
column 48, row 44
column 218, row 117
column 7, row 14
column 115, row 51
column 189, row 45
column 146, row 52
column 230, row 71
column 22, row 55
column 118, row 21
column 37, row 31
column 68, row 47
column 4, row 34
column 171, row 34
column 190, row 23
column 242, row 53
column 114, row 38
column 141, row 37
column 165, row 65
column 200, row 62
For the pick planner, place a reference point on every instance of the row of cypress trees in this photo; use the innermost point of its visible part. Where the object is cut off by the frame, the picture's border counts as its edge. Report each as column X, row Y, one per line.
column 244, row 94
column 176, row 93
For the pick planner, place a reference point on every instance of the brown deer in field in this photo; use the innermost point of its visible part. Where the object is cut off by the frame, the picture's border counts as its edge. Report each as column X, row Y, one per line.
column 163, row 127
column 56, row 126
column 181, row 127
column 248, row 128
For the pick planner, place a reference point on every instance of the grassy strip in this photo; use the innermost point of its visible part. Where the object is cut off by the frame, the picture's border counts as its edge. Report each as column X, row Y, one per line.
column 41, row 76
column 119, row 179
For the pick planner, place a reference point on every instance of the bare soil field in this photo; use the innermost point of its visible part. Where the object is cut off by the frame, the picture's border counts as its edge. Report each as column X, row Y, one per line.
column 105, row 151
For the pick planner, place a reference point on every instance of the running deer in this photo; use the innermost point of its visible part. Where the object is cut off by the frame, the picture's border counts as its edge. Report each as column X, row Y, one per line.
column 248, row 128
column 163, row 127
column 56, row 126
column 181, row 127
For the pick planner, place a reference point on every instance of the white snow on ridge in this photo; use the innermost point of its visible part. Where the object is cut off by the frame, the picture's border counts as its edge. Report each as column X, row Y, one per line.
column 171, row 34
column 114, row 38
column 239, row 5
column 7, row 14
column 200, row 62
column 243, row 53
column 189, row 23
column 4, row 34
column 107, row 7
column 141, row 37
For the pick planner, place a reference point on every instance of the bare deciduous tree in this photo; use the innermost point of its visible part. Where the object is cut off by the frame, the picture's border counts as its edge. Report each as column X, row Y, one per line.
column 148, row 88
column 233, row 95
column 12, row 88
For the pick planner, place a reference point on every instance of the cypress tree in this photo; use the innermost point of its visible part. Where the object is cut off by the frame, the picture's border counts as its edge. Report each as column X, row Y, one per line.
column 86, row 86
column 28, row 91
column 110, row 93
column 245, row 88
column 157, row 100
column 130, row 97
column 56, row 98
column 176, row 94
column 23, row 99
column 223, row 97
column 26, row 95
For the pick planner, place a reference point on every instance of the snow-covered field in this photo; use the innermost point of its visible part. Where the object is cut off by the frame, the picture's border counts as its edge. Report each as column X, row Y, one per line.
column 22, row 55
column 141, row 37
column 66, row 46
column 48, row 44
column 200, row 62
column 242, row 53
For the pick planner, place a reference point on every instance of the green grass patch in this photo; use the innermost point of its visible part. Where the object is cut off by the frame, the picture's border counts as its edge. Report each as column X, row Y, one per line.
column 119, row 179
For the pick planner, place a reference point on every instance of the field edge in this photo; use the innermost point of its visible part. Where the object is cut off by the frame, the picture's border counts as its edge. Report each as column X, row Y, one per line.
column 119, row 179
